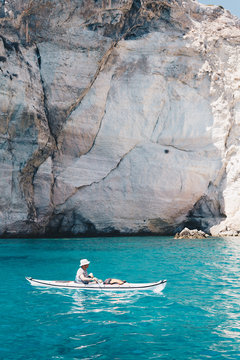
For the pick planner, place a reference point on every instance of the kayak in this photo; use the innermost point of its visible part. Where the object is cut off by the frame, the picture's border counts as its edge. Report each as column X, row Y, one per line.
column 159, row 286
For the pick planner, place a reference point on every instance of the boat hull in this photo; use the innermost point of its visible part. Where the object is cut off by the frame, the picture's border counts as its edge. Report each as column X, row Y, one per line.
column 159, row 286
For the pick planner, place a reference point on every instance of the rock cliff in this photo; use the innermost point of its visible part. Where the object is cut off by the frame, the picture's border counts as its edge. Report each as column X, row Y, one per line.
column 118, row 116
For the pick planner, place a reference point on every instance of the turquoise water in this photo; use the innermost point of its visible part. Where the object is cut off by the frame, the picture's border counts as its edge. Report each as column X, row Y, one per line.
column 196, row 317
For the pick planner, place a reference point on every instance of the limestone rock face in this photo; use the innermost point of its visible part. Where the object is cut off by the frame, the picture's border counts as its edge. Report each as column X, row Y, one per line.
column 118, row 116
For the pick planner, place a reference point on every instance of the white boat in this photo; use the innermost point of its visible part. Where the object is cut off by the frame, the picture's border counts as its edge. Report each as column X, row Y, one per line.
column 159, row 286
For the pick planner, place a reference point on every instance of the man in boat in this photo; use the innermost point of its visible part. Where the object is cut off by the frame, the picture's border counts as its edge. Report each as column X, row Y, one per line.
column 83, row 277
column 82, row 274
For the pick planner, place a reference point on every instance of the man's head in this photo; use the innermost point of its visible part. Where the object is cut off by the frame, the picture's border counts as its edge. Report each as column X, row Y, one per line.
column 84, row 263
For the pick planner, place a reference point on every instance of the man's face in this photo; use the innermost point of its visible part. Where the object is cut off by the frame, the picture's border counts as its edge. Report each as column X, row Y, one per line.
column 84, row 267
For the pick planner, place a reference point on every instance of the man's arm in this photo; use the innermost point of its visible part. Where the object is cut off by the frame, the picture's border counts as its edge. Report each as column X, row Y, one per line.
column 88, row 279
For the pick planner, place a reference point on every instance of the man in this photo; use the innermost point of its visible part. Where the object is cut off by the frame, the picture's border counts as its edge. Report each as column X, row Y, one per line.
column 82, row 274
column 83, row 277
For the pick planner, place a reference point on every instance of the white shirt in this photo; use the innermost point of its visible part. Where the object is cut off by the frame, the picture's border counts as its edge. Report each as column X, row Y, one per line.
column 81, row 274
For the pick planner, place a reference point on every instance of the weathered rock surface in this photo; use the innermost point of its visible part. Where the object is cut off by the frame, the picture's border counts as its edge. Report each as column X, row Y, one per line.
column 118, row 116
column 191, row 234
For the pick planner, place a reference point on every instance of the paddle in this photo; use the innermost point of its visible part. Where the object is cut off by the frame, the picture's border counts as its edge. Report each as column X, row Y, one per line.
column 98, row 283
column 95, row 279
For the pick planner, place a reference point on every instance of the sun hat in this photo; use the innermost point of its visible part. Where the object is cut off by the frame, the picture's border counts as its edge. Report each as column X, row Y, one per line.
column 84, row 262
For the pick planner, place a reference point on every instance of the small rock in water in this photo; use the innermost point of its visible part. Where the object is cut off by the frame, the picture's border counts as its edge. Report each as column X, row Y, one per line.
column 191, row 234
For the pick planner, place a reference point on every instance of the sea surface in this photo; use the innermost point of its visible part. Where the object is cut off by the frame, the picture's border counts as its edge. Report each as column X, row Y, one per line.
column 197, row 316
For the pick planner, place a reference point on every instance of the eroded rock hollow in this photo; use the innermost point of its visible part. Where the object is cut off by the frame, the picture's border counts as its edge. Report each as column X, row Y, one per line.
column 118, row 116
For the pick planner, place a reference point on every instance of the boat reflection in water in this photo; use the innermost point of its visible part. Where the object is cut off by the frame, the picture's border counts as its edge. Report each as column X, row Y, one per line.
column 99, row 301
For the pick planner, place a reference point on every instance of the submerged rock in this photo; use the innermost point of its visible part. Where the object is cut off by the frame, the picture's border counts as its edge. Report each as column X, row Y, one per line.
column 191, row 234
column 118, row 117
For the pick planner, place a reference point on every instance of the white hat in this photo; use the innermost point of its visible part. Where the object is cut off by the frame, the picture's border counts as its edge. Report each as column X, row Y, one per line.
column 84, row 262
